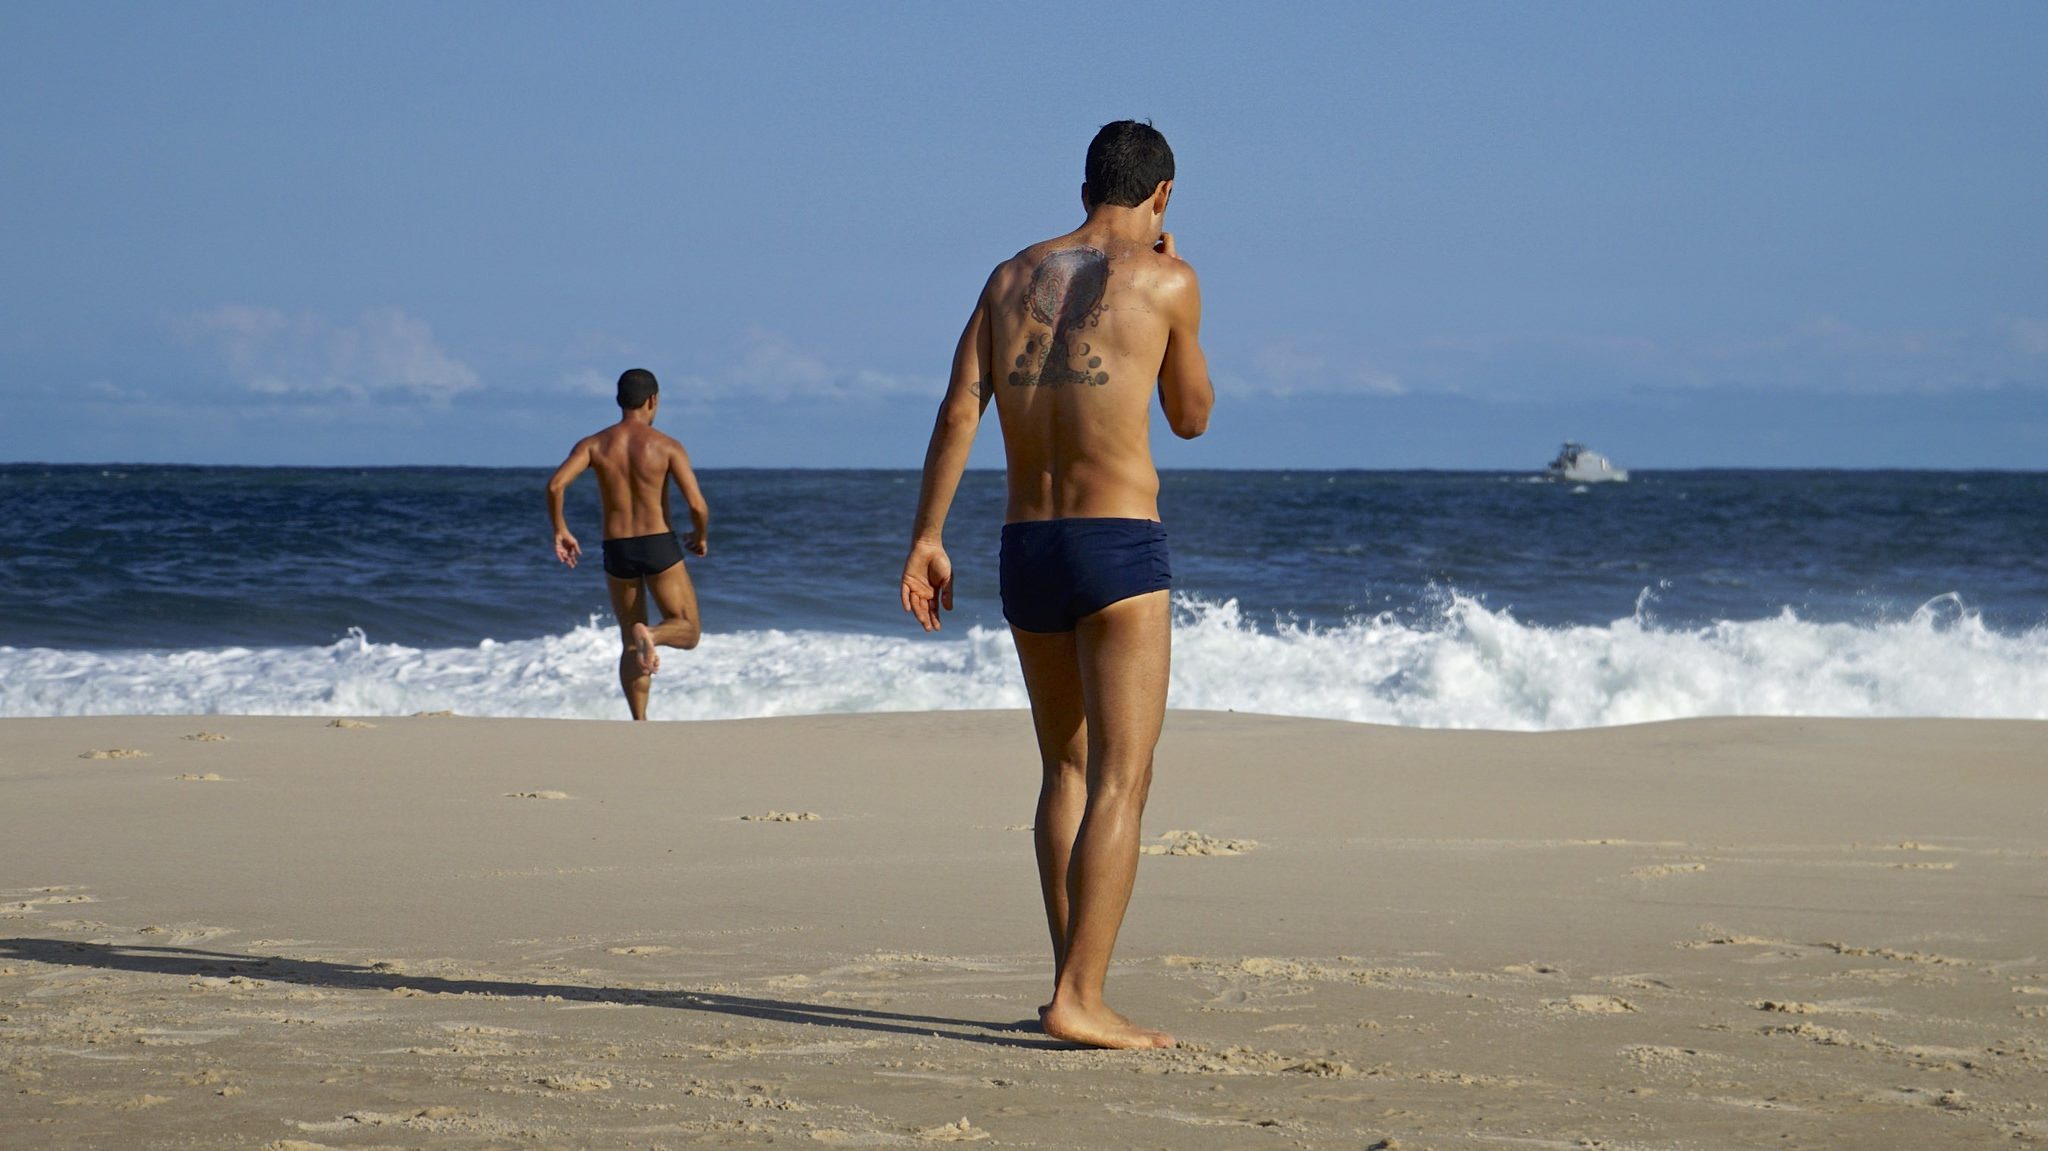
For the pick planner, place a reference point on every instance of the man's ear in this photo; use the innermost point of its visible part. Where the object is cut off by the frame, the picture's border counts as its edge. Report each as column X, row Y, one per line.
column 1085, row 205
column 1160, row 196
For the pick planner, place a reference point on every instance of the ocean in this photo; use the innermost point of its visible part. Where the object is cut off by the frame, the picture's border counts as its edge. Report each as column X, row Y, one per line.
column 1435, row 599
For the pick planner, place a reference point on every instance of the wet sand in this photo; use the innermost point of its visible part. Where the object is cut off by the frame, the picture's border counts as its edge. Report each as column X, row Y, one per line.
column 446, row 932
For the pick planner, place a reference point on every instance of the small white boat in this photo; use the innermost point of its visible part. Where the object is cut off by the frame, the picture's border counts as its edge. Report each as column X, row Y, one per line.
column 1579, row 464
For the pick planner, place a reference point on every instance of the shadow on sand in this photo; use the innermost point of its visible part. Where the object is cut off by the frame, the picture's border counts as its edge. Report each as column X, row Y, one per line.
column 189, row 962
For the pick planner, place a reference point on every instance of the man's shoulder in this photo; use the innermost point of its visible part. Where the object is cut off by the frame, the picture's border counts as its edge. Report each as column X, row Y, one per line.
column 1022, row 263
column 1159, row 273
column 1157, row 263
column 1031, row 255
column 1014, row 273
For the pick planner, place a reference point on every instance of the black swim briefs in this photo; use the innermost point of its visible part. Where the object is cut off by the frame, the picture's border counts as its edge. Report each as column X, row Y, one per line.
column 637, row 557
column 1054, row 572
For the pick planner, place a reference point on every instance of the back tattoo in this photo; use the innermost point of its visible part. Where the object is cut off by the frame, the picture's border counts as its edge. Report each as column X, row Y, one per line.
column 1066, row 294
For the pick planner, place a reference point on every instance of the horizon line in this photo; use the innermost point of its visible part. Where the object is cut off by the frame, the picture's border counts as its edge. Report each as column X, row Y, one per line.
column 914, row 469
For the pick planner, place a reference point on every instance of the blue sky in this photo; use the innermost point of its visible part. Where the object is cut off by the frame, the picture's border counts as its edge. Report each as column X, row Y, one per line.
column 1429, row 235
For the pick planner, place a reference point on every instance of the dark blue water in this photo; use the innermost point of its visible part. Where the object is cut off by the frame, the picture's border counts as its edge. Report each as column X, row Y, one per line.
column 176, row 558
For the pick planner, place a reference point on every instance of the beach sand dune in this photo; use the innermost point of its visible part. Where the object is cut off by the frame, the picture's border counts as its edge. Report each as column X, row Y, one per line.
column 1703, row 934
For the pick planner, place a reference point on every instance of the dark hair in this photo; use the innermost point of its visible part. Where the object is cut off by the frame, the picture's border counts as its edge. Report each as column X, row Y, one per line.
column 636, row 386
column 1126, row 161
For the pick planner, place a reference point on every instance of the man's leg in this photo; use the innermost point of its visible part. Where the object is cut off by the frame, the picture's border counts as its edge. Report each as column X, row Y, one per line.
column 1124, row 653
column 1052, row 676
column 676, row 596
column 629, row 604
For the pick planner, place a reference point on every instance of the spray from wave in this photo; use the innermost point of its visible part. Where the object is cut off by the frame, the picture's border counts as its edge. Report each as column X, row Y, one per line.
column 1461, row 665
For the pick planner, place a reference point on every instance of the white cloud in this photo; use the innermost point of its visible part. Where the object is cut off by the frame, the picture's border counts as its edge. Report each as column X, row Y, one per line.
column 1526, row 344
column 1835, row 339
column 106, row 391
column 1828, row 354
column 1286, row 369
column 383, row 353
column 1825, row 354
column 590, row 382
column 775, row 368
column 769, row 366
column 765, row 366
column 2029, row 337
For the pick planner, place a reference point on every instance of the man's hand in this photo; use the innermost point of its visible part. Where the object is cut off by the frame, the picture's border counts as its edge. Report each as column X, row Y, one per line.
column 567, row 549
column 694, row 544
column 927, row 583
column 1165, row 246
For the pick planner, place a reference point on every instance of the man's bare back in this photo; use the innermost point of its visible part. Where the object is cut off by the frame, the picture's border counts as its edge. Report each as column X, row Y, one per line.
column 1069, row 338
column 1080, row 328
column 642, row 558
column 633, row 463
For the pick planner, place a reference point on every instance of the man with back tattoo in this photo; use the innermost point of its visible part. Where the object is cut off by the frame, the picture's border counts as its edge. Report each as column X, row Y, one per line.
column 642, row 558
column 1070, row 337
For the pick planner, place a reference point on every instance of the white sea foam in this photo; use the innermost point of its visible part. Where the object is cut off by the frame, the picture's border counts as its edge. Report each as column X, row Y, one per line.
column 1466, row 666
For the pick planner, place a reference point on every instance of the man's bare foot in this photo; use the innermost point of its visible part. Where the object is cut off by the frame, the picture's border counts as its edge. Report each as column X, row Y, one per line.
column 643, row 644
column 1099, row 1028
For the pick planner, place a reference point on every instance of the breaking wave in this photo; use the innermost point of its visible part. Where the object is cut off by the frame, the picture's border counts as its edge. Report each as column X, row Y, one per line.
column 1458, row 665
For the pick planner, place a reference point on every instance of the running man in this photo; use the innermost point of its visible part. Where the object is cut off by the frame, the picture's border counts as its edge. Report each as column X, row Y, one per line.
column 1069, row 337
column 642, row 559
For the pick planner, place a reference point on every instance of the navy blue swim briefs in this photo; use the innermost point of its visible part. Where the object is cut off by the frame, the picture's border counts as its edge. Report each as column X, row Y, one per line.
column 1056, row 571
column 637, row 557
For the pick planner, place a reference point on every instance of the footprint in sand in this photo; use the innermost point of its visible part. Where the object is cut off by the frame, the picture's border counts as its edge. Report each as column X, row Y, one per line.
column 37, row 902
column 200, row 777
column 460, row 1027
column 1195, row 843
column 1825, row 1036
column 187, row 933
column 112, row 753
column 1591, row 1005
column 41, row 897
column 1292, row 970
column 1660, row 870
column 351, row 724
column 536, row 795
column 641, row 949
column 1322, row 1068
column 206, row 737
column 783, row 817
column 961, row 1132
column 1659, row 1057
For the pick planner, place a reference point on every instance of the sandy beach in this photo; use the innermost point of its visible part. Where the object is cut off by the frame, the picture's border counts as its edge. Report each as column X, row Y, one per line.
column 446, row 932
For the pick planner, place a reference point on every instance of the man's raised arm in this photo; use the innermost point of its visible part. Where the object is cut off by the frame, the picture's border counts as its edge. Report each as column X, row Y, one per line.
column 1184, row 388
column 928, row 572
column 566, row 548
